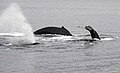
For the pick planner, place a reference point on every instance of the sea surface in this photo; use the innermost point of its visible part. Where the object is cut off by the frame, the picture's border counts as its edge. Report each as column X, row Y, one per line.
column 65, row 54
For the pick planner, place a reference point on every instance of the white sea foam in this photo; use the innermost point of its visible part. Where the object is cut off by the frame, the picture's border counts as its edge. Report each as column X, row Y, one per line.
column 12, row 34
column 107, row 39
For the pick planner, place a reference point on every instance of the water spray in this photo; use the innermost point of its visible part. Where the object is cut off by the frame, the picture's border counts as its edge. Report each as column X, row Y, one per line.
column 12, row 21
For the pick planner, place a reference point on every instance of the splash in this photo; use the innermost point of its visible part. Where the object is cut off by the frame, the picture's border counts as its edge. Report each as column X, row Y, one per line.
column 13, row 23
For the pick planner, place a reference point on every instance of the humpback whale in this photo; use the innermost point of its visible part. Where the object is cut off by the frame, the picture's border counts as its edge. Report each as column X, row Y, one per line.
column 64, row 31
column 93, row 33
column 53, row 30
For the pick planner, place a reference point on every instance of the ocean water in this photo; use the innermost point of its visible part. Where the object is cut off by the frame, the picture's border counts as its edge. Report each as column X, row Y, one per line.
column 66, row 54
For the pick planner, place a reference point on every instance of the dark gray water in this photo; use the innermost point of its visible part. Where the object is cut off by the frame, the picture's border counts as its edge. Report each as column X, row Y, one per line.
column 66, row 54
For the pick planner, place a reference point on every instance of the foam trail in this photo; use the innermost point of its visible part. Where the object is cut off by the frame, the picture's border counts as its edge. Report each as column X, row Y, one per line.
column 12, row 34
column 106, row 39
column 12, row 20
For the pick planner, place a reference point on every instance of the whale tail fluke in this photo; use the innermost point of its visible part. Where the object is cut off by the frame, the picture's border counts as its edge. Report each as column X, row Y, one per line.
column 93, row 33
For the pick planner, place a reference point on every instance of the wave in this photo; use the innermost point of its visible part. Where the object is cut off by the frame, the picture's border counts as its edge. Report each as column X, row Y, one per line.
column 15, row 34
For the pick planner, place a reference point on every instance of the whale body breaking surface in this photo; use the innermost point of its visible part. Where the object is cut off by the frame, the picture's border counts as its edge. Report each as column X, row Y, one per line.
column 53, row 30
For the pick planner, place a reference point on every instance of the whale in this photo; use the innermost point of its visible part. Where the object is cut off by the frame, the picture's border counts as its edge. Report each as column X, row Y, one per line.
column 63, row 31
column 53, row 30
column 94, row 34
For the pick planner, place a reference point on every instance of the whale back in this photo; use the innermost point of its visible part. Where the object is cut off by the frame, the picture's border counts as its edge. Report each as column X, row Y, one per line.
column 53, row 30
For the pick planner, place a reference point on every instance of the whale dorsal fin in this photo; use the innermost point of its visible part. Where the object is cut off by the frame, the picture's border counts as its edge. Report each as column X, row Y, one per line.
column 66, row 31
column 63, row 27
